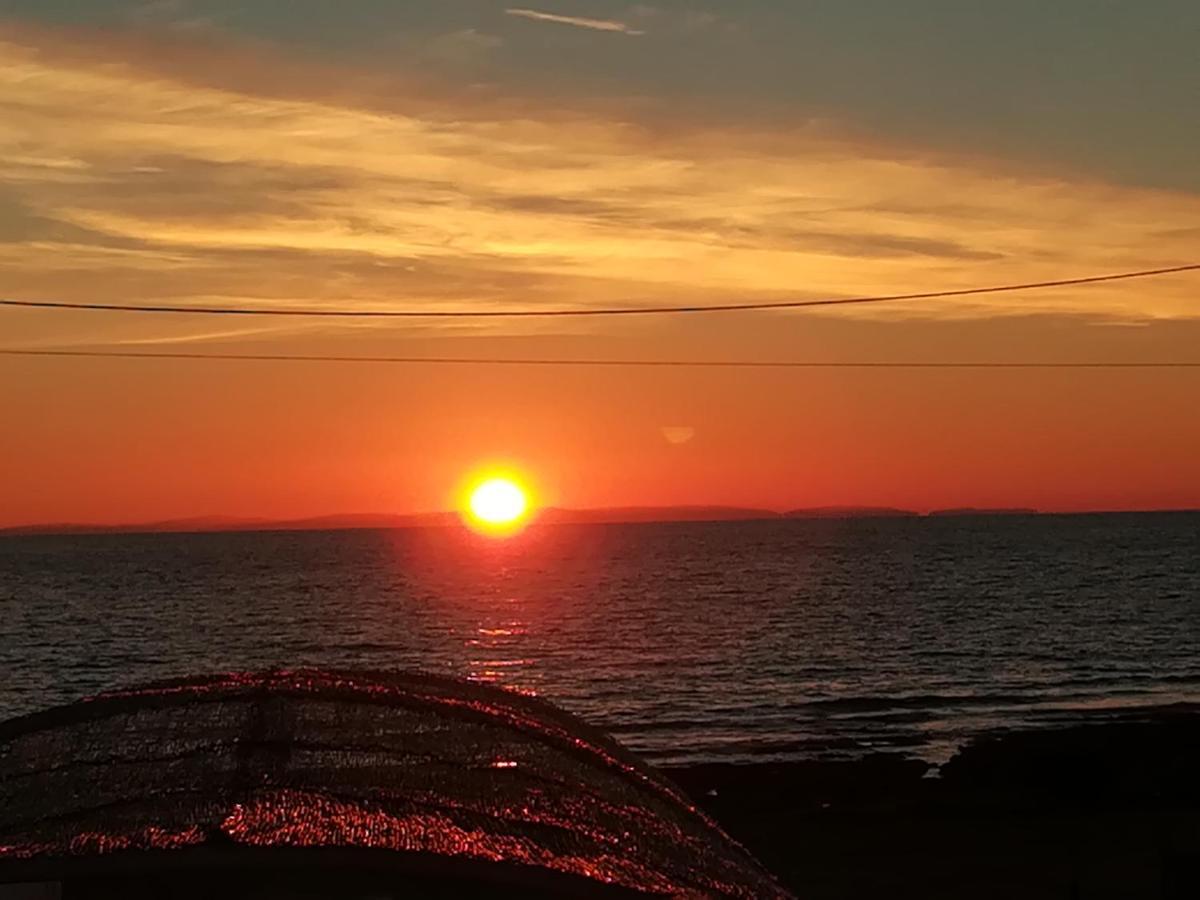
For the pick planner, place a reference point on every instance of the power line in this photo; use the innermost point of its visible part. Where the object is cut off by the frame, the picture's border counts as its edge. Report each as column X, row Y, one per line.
column 610, row 311
column 612, row 363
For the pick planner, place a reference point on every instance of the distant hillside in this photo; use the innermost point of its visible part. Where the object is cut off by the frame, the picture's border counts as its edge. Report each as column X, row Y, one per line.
column 631, row 514
column 366, row 521
column 973, row 511
column 229, row 524
column 182, row 526
column 614, row 515
column 381, row 521
column 851, row 512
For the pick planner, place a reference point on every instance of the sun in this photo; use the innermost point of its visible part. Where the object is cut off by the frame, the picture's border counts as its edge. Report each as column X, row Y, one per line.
column 497, row 505
column 498, row 501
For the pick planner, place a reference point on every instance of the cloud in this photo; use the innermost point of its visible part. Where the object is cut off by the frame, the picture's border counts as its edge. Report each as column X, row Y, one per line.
column 459, row 47
column 127, row 178
column 576, row 21
column 681, row 20
column 171, row 14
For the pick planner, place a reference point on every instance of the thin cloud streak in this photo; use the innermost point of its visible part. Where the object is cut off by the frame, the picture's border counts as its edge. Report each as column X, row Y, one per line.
column 125, row 182
column 576, row 21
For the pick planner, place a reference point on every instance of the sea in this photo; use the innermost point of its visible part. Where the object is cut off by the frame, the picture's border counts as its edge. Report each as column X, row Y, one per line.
column 689, row 642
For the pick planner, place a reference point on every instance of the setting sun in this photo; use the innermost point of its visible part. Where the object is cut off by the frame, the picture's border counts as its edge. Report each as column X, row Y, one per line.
column 497, row 505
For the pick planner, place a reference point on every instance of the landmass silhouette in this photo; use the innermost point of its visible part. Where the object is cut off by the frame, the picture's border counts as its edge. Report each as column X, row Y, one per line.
column 551, row 515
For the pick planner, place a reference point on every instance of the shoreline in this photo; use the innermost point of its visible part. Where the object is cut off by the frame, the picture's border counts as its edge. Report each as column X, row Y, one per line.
column 1100, row 809
column 934, row 752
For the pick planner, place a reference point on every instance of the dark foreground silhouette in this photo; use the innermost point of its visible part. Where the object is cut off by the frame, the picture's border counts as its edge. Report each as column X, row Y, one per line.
column 1109, row 810
column 318, row 784
column 344, row 784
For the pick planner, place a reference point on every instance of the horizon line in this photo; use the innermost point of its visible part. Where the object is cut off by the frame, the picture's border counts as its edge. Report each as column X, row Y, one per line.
column 223, row 524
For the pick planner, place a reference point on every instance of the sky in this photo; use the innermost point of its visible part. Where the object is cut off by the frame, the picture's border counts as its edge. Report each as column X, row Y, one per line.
column 472, row 156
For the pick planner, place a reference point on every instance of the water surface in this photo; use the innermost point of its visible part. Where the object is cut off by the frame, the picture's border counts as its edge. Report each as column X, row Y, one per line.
column 691, row 641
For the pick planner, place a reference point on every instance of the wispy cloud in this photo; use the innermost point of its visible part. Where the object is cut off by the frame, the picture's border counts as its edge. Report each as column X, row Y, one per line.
column 576, row 21
column 123, row 182
column 171, row 14
column 688, row 20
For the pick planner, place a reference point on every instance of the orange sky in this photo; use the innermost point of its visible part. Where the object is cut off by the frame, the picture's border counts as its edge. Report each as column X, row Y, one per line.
column 186, row 168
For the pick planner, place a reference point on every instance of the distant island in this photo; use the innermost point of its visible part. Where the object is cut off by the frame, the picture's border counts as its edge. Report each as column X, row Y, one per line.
column 551, row 516
column 363, row 521
column 386, row 521
column 974, row 511
column 633, row 514
column 851, row 512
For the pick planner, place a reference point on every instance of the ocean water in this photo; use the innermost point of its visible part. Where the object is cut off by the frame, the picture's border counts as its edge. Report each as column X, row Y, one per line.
column 689, row 642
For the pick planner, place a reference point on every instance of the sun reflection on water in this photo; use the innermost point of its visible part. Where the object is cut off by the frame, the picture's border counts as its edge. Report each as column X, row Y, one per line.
column 498, row 650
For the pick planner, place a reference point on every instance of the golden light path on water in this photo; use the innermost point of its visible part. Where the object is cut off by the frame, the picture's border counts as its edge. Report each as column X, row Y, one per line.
column 494, row 651
column 497, row 503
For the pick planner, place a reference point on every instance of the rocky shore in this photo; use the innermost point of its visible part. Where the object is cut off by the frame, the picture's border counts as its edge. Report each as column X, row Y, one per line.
column 1103, row 810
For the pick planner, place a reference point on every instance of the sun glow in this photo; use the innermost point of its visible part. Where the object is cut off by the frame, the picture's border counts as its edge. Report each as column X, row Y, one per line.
column 497, row 505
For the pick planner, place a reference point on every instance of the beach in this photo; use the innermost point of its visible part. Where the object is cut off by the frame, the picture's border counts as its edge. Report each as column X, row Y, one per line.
column 1102, row 810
